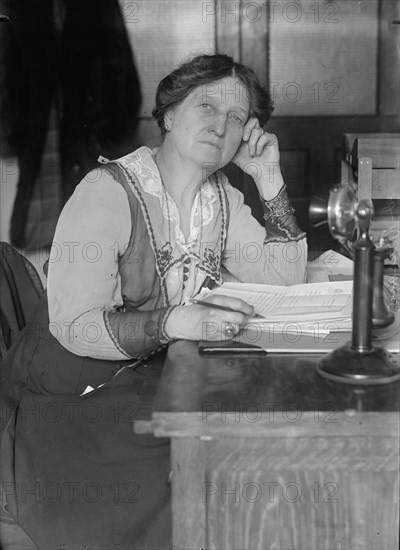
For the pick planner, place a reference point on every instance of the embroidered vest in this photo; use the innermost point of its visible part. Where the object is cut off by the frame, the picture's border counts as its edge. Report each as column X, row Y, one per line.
column 152, row 250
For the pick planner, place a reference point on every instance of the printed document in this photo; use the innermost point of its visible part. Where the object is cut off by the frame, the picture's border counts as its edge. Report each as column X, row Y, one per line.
column 296, row 305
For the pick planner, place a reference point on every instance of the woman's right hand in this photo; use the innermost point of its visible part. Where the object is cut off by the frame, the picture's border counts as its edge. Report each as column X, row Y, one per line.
column 197, row 322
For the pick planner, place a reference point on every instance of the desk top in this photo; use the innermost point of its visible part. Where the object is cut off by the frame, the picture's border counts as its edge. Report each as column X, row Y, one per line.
column 274, row 395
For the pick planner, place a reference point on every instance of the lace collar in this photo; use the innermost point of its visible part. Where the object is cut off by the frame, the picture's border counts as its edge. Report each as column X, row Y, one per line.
column 207, row 240
column 142, row 162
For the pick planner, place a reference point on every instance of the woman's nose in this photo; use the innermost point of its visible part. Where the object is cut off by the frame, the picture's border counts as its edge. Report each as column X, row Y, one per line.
column 218, row 126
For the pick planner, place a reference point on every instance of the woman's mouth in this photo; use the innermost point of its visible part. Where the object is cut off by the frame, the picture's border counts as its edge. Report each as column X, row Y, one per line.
column 212, row 143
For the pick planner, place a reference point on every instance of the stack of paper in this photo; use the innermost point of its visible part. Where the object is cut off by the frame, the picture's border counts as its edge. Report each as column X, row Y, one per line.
column 315, row 317
column 310, row 308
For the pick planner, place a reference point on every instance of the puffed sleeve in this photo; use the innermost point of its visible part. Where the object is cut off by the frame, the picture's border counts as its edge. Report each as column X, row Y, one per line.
column 275, row 254
column 84, row 284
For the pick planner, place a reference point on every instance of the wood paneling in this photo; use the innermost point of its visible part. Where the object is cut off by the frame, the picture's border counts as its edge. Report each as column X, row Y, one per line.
column 164, row 34
column 323, row 57
column 254, row 52
column 389, row 73
column 312, row 43
column 228, row 30
column 295, row 166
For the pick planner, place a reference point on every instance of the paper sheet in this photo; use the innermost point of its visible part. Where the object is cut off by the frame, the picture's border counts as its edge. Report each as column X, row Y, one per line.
column 281, row 303
column 325, row 307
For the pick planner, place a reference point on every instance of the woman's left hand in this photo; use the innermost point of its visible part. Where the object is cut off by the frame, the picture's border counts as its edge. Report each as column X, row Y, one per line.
column 257, row 146
column 258, row 156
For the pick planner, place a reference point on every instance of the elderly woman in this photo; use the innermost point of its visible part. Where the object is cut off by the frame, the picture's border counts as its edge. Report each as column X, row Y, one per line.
column 137, row 240
column 143, row 234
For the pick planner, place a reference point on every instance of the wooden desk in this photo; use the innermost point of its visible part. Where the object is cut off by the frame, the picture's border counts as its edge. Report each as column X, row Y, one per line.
column 266, row 454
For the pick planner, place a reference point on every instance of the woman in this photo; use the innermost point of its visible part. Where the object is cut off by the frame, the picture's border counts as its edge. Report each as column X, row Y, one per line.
column 138, row 239
column 178, row 222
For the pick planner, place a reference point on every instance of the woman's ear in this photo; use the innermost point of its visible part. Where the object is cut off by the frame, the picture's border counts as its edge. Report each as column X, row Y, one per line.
column 168, row 121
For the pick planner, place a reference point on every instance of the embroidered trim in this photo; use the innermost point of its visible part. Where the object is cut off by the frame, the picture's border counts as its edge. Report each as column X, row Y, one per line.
column 156, row 329
column 112, row 335
column 280, row 222
column 167, row 254
column 164, row 336
column 142, row 163
column 204, row 199
column 222, row 200
column 278, row 207
column 161, row 269
column 286, row 236
column 164, row 258
column 212, row 263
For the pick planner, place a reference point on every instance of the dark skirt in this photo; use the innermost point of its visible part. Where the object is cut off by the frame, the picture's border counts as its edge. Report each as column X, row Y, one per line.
column 75, row 474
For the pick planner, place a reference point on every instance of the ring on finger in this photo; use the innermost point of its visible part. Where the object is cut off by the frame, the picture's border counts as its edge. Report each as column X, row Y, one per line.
column 229, row 329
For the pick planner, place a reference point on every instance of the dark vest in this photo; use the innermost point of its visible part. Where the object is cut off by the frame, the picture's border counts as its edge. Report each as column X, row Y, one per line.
column 145, row 264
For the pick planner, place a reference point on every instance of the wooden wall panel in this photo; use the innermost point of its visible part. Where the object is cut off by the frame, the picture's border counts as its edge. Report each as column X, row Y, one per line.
column 323, row 57
column 254, row 32
column 313, row 43
column 295, row 171
column 228, row 28
column 389, row 66
column 163, row 34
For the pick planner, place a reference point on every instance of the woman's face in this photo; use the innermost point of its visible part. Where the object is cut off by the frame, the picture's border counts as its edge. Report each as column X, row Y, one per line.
column 207, row 127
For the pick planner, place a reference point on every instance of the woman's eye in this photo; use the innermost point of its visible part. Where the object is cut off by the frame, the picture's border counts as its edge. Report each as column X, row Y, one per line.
column 237, row 119
column 206, row 106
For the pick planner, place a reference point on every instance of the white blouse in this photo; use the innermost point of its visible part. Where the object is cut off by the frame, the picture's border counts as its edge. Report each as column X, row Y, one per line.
column 94, row 230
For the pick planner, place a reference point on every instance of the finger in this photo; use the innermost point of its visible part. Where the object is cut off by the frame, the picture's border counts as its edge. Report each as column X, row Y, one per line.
column 252, row 123
column 229, row 330
column 223, row 331
column 262, row 143
column 255, row 136
column 266, row 140
column 233, row 303
column 271, row 139
column 215, row 322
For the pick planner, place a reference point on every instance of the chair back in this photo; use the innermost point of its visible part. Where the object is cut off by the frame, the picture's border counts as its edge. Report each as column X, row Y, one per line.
column 20, row 292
